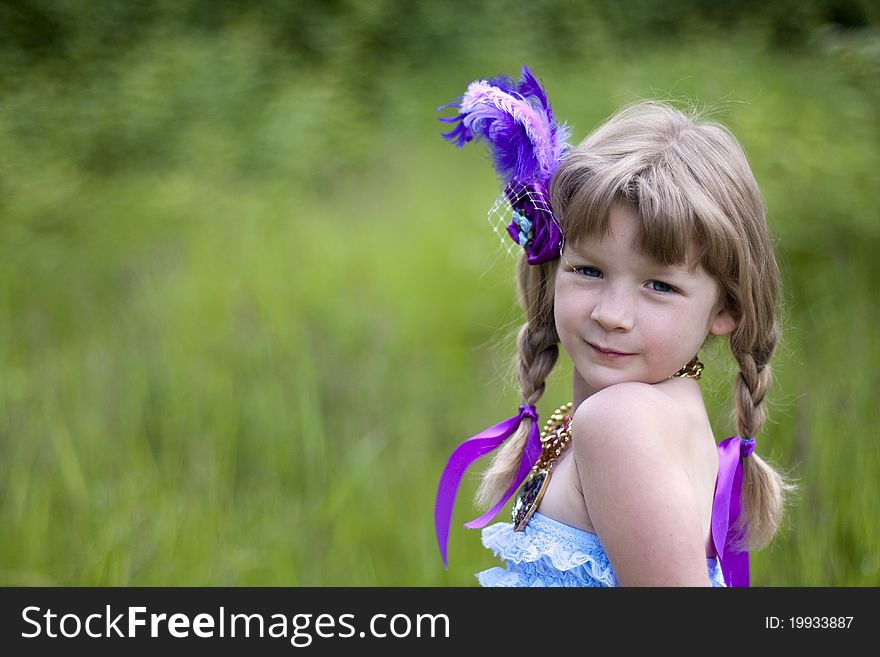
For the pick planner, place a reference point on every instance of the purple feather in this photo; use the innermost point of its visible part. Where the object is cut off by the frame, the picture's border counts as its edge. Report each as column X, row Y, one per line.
column 517, row 122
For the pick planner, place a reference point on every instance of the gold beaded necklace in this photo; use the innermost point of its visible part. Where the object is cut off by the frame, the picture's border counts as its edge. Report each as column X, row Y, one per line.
column 555, row 437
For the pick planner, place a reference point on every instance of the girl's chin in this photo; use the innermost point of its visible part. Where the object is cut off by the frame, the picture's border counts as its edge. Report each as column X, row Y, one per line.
column 598, row 380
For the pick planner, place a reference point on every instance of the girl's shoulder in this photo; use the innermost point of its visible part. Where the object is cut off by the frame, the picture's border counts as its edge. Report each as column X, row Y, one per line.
column 646, row 478
column 665, row 415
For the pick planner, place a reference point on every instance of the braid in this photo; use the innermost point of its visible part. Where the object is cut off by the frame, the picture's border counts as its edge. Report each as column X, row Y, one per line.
column 763, row 487
column 538, row 343
column 753, row 382
column 537, row 353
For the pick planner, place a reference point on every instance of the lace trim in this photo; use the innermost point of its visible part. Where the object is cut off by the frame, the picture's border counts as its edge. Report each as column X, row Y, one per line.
column 499, row 577
column 572, row 553
column 566, row 548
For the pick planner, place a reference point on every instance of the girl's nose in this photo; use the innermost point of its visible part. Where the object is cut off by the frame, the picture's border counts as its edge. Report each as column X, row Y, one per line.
column 613, row 311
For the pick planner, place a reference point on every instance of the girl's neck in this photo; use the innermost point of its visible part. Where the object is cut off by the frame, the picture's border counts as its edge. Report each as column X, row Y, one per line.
column 681, row 385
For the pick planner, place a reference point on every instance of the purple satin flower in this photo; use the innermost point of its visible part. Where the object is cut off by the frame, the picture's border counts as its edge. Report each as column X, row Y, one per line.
column 544, row 239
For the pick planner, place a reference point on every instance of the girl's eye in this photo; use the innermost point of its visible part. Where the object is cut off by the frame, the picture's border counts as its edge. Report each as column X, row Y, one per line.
column 592, row 272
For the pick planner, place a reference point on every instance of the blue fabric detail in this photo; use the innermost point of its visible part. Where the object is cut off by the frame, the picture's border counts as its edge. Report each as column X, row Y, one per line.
column 522, row 221
column 550, row 553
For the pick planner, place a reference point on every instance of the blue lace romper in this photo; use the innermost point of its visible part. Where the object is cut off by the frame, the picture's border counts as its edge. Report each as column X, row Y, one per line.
column 550, row 553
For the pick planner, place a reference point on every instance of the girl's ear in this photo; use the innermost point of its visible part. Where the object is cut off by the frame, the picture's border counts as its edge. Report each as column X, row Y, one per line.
column 723, row 323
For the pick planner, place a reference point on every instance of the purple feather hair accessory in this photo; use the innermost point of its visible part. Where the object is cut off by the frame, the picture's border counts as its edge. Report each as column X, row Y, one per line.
column 526, row 145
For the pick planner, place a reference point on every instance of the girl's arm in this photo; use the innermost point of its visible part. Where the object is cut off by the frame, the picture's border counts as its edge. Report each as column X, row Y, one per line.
column 630, row 459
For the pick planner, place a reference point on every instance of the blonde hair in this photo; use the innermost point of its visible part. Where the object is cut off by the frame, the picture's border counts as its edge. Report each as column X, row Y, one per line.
column 690, row 183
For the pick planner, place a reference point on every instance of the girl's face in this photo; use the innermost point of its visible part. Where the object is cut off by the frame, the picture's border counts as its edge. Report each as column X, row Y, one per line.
column 609, row 296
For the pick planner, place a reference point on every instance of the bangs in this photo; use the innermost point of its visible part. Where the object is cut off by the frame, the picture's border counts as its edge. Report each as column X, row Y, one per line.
column 669, row 230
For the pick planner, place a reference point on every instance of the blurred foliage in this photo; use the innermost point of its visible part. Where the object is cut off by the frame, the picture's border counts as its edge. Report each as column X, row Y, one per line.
column 341, row 58
column 326, row 32
column 242, row 322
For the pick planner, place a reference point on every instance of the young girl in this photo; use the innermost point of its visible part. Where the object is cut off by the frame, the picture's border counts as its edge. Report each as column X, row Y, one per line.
column 640, row 244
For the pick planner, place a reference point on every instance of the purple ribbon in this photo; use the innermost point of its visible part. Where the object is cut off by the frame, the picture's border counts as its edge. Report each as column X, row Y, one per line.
column 726, row 509
column 468, row 452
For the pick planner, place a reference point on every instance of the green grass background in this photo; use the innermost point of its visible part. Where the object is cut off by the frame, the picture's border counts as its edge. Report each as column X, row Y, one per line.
column 248, row 306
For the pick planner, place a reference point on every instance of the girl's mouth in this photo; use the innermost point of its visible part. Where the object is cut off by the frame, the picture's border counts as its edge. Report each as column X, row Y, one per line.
column 608, row 355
